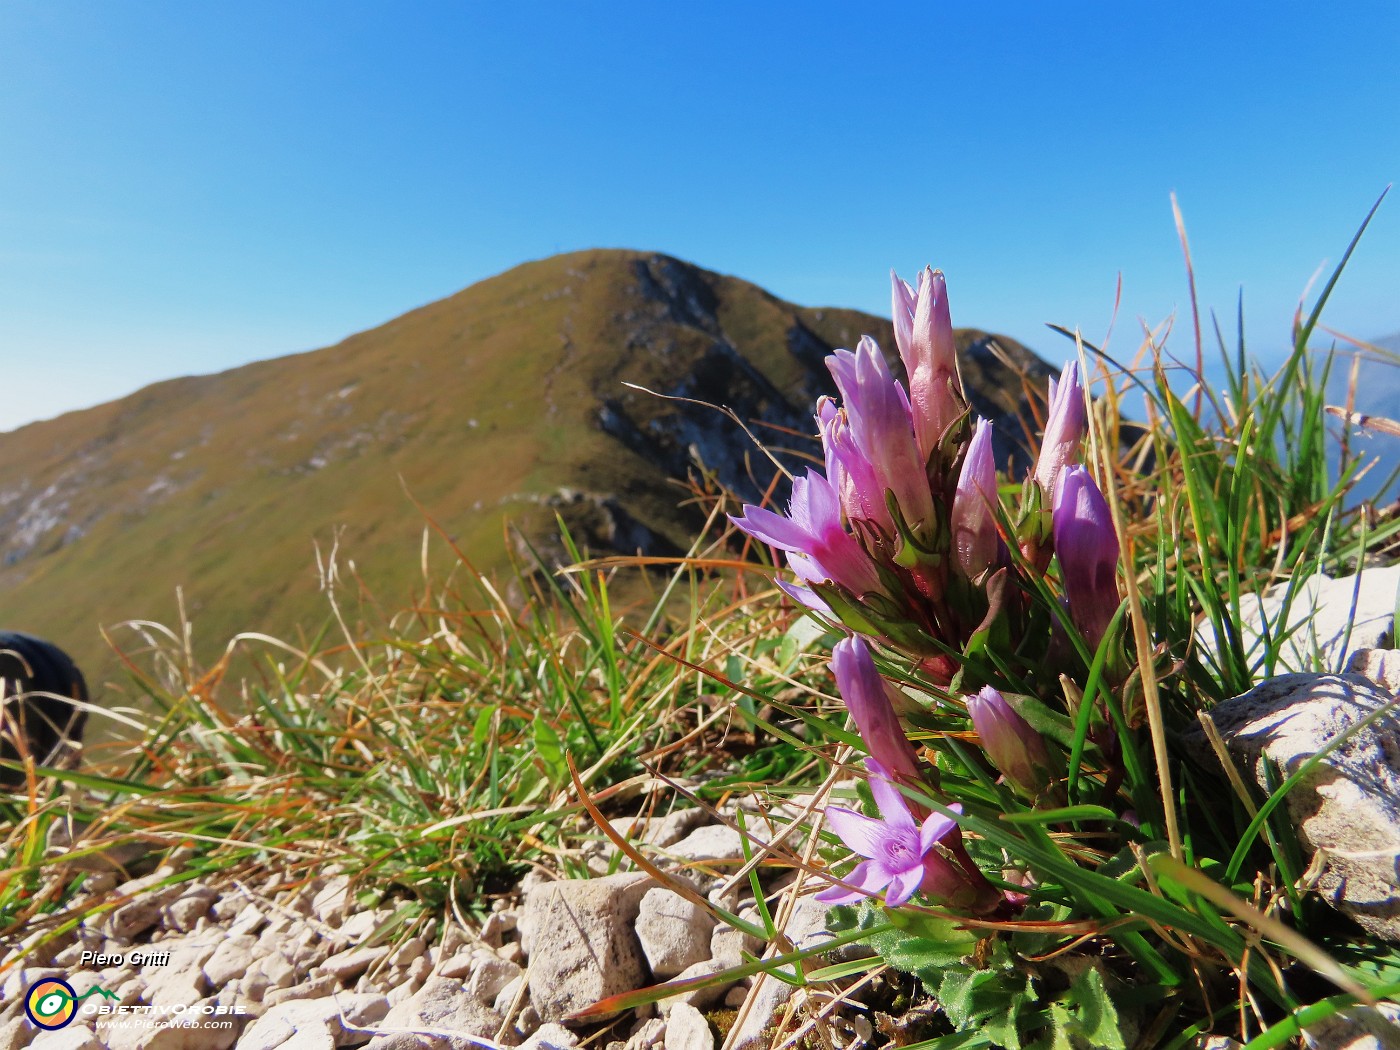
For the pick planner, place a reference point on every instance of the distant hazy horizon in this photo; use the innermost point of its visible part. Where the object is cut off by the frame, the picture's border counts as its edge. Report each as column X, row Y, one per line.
column 187, row 189
column 1052, row 346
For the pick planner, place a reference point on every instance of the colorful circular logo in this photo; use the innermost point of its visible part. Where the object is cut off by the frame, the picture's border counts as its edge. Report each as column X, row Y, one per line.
column 51, row 1003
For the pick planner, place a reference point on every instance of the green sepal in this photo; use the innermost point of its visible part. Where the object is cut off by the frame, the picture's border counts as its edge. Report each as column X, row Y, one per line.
column 848, row 609
column 911, row 549
column 1034, row 522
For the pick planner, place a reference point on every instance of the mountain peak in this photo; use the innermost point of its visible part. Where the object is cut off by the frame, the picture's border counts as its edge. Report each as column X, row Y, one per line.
column 511, row 400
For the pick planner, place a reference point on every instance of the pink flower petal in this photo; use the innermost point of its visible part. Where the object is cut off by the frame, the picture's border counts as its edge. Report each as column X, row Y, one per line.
column 860, row 833
column 935, row 829
column 807, row 569
column 892, row 805
column 860, row 877
column 771, row 528
column 903, row 886
column 805, row 596
column 903, row 299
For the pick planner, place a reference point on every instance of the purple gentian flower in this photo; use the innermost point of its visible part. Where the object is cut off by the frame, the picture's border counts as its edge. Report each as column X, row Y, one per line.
column 859, row 488
column 819, row 549
column 923, row 331
column 1016, row 749
column 1064, row 428
column 1087, row 546
column 900, row 855
column 877, row 411
column 868, row 698
column 974, row 520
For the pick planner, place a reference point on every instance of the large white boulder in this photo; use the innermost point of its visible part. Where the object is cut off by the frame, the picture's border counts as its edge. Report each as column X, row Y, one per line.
column 1347, row 808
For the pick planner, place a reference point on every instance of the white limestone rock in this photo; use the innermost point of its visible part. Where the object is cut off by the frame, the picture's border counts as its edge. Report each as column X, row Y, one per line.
column 15, row 1033
column 360, row 925
column 408, row 952
column 498, row 924
column 713, row 842
column 248, row 920
column 489, row 974
column 661, row 832
column 193, row 1030
column 551, row 1037
column 276, row 969
column 310, row 1039
column 702, row 997
column 459, row 965
column 805, row 928
column 330, row 1014
column 1347, row 809
column 332, row 901
column 348, row 965
column 74, row 1037
column 648, row 1034
column 1381, row 666
column 728, row 944
column 580, row 940
column 687, row 1029
column 21, row 977
column 441, row 1005
column 187, row 909
column 673, row 931
column 230, row 960
column 1359, row 1027
column 1321, row 621
column 319, row 987
column 175, row 986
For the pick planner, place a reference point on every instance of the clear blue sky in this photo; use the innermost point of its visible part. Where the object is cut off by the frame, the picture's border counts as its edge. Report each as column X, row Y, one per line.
column 186, row 187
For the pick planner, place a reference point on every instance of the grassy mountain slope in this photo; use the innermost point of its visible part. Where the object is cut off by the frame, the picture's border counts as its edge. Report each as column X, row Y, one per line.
column 504, row 401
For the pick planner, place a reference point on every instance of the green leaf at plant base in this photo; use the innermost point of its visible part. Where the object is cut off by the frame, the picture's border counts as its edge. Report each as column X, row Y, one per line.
column 481, row 729
column 1086, row 1018
column 989, row 1000
column 922, row 945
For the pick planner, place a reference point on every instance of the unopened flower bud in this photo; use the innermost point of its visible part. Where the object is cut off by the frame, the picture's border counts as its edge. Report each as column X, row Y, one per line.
column 1087, row 547
column 867, row 696
column 923, row 330
column 974, row 519
column 1014, row 748
column 1064, row 428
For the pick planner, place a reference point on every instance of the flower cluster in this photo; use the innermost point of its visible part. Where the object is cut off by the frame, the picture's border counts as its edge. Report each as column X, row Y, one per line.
column 903, row 538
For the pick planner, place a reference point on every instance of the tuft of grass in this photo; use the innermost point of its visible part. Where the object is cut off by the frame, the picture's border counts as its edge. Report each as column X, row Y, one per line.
column 429, row 760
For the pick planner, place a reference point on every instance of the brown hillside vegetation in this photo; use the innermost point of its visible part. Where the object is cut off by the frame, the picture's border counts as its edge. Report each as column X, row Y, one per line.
column 503, row 402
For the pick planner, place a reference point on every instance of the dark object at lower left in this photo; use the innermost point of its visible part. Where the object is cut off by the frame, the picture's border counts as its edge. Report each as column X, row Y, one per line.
column 44, row 699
